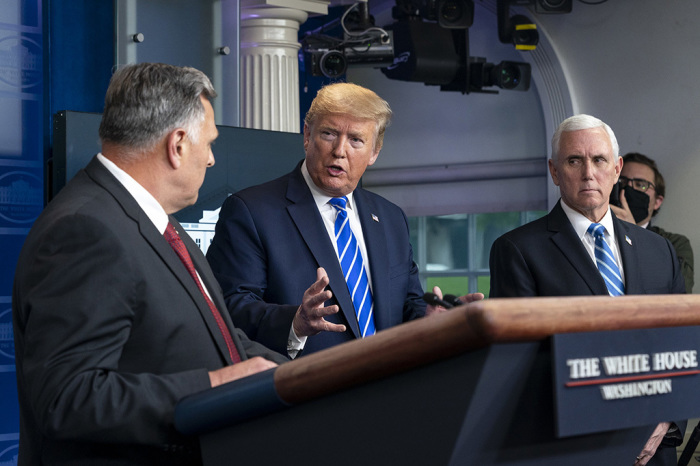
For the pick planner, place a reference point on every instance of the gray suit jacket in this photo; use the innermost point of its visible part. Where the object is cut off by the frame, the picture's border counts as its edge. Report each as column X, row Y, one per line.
column 110, row 331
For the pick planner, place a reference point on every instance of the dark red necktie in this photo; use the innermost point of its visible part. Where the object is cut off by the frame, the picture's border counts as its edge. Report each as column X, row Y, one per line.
column 179, row 247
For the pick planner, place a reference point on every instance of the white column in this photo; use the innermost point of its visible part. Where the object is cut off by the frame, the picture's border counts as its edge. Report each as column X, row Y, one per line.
column 270, row 68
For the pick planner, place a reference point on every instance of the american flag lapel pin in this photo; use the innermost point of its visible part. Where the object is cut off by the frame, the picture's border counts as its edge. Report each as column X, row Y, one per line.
column 629, row 241
column 375, row 218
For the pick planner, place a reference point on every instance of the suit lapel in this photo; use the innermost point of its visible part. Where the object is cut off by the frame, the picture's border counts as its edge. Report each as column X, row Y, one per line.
column 375, row 241
column 212, row 286
column 308, row 221
column 628, row 254
column 569, row 244
column 152, row 236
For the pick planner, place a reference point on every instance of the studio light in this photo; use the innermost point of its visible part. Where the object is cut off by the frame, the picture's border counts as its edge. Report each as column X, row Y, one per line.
column 518, row 30
column 524, row 33
column 428, row 42
column 553, row 6
column 455, row 14
column 360, row 43
column 433, row 61
column 508, row 75
column 329, row 63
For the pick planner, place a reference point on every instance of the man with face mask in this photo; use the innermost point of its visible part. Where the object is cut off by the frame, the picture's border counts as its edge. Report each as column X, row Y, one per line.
column 642, row 190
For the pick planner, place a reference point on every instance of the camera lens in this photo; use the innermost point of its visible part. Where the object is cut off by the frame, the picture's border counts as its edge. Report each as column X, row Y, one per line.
column 451, row 11
column 507, row 76
column 455, row 14
column 526, row 37
column 333, row 64
column 554, row 4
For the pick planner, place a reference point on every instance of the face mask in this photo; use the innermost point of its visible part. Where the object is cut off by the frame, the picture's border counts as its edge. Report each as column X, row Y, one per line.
column 638, row 203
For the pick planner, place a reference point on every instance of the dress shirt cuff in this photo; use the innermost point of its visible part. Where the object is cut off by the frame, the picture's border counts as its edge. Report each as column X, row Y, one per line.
column 294, row 343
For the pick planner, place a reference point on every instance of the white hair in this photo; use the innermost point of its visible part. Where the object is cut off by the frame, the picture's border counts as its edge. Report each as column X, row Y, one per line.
column 579, row 122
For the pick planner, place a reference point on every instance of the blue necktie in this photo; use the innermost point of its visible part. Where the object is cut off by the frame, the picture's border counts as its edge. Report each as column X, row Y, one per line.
column 353, row 268
column 606, row 261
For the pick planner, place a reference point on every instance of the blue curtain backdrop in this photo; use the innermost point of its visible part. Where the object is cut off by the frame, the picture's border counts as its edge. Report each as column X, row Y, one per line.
column 35, row 83
column 21, row 178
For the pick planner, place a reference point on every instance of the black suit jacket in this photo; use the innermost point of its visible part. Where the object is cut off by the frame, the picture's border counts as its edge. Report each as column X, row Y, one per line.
column 546, row 258
column 110, row 331
column 269, row 241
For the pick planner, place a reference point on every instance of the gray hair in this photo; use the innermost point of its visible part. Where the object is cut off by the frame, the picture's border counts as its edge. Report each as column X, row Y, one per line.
column 579, row 122
column 146, row 101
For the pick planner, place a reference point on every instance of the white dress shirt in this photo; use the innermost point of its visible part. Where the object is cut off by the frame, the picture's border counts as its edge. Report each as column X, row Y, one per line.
column 149, row 204
column 328, row 214
column 581, row 224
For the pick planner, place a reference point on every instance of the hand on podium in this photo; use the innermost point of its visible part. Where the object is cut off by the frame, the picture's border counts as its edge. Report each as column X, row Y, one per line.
column 239, row 370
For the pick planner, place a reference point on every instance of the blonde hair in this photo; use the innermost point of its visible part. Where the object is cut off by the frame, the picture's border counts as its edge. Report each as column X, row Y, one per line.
column 351, row 99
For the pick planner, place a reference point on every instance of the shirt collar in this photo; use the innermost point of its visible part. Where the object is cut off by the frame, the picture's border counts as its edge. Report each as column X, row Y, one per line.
column 319, row 196
column 581, row 223
column 145, row 200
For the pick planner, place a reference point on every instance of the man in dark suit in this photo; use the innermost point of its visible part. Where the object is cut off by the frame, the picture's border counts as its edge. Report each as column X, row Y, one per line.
column 274, row 240
column 111, row 327
column 556, row 255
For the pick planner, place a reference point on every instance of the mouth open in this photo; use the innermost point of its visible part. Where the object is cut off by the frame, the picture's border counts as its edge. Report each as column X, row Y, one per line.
column 335, row 170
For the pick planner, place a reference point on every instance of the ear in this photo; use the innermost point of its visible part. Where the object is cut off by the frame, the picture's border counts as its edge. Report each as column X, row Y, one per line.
column 657, row 202
column 553, row 172
column 374, row 157
column 618, row 168
column 175, row 147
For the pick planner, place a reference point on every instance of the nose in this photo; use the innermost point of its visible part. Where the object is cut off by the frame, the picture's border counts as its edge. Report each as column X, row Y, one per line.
column 211, row 161
column 587, row 171
column 339, row 149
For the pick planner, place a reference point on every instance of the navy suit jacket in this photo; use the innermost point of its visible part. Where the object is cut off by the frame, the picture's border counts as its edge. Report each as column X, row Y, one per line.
column 547, row 258
column 110, row 332
column 269, row 241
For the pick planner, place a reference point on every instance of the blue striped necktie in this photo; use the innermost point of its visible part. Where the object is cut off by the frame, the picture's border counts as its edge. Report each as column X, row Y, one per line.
column 607, row 265
column 353, row 267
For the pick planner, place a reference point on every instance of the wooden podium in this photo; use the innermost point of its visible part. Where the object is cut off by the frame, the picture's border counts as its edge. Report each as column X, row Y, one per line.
column 472, row 386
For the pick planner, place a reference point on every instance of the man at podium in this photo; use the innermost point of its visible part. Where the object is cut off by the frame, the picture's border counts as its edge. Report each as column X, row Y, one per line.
column 581, row 248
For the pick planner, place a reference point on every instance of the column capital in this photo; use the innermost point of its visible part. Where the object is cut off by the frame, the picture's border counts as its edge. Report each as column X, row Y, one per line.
column 318, row 7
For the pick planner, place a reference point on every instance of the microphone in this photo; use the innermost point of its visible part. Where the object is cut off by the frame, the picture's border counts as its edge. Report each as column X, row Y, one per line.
column 452, row 299
column 432, row 299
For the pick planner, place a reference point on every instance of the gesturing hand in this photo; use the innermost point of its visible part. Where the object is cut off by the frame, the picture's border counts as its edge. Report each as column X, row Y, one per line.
column 310, row 317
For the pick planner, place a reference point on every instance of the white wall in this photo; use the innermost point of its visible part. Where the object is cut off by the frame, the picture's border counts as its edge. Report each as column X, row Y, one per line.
column 431, row 128
column 632, row 63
